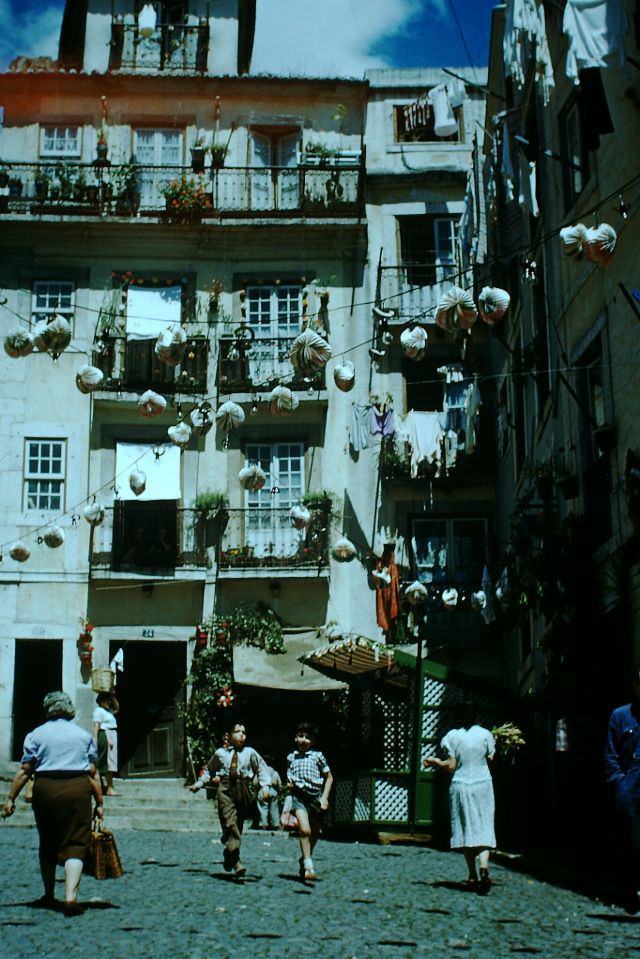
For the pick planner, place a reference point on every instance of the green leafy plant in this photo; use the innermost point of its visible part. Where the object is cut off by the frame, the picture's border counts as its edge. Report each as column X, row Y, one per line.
column 252, row 625
column 210, row 502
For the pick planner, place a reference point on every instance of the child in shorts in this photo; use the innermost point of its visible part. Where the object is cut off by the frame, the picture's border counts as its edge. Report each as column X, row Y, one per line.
column 309, row 782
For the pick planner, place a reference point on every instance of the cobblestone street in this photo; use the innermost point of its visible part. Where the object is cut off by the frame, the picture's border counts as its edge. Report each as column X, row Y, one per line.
column 374, row 901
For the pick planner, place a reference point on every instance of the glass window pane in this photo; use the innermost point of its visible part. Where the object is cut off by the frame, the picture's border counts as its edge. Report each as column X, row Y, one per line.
column 429, row 544
column 468, row 550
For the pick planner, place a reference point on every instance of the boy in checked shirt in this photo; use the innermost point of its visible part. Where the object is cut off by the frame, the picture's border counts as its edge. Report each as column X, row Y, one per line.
column 309, row 781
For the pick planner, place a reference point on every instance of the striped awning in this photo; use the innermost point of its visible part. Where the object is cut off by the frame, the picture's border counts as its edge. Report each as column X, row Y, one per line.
column 353, row 656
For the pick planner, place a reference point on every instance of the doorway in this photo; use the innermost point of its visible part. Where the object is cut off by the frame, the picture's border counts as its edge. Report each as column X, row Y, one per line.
column 37, row 671
column 151, row 693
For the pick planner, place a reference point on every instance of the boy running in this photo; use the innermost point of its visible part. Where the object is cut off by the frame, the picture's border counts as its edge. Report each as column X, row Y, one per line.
column 309, row 781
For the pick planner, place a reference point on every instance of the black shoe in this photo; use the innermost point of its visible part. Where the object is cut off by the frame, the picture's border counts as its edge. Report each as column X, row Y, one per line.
column 484, row 884
column 239, row 870
column 72, row 909
column 45, row 902
column 227, row 860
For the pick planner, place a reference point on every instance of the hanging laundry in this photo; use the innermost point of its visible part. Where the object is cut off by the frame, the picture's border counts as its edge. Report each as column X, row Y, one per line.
column 359, row 431
column 388, row 594
column 595, row 29
column 487, row 612
column 525, row 36
column 472, row 404
column 527, row 198
column 425, row 432
column 444, row 122
column 507, row 167
column 382, row 422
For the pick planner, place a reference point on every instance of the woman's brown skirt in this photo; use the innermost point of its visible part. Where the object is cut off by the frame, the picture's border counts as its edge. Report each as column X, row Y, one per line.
column 62, row 810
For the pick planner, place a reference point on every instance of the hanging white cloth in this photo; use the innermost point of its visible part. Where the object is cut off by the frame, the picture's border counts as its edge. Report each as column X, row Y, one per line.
column 424, row 432
column 527, row 192
column 507, row 166
column 162, row 470
column 525, row 34
column 444, row 122
column 595, row 29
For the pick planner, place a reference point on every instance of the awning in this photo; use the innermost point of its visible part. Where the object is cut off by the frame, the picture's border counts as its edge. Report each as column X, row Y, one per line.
column 254, row 667
column 355, row 656
column 162, row 471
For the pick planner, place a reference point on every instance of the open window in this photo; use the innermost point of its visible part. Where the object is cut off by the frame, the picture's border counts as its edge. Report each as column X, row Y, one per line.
column 449, row 550
column 427, row 248
column 274, row 178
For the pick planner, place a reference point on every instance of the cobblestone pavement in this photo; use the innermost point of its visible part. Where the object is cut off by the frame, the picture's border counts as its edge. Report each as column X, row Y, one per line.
column 371, row 901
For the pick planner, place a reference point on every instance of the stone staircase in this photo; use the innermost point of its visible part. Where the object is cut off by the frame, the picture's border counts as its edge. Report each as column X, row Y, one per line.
column 163, row 804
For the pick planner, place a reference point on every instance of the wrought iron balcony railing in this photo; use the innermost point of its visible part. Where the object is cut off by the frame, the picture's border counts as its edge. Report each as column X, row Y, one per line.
column 418, row 287
column 259, row 364
column 133, row 364
column 264, row 538
column 153, row 538
column 172, row 47
column 176, row 194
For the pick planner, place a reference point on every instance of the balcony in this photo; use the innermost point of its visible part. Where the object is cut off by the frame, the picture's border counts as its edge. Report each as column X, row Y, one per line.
column 416, row 287
column 172, row 47
column 258, row 540
column 260, row 365
column 133, row 364
column 149, row 539
column 103, row 190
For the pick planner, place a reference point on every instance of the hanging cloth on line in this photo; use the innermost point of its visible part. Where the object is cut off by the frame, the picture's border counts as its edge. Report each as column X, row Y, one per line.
column 382, row 421
column 388, row 595
column 360, row 433
column 595, row 29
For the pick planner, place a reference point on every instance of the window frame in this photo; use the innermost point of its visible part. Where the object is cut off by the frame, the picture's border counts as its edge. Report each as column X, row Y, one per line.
column 66, row 153
column 570, row 121
column 38, row 476
column 427, row 135
column 426, row 272
column 40, row 315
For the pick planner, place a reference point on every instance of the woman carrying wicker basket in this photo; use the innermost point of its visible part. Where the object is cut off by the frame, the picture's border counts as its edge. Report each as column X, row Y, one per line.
column 62, row 757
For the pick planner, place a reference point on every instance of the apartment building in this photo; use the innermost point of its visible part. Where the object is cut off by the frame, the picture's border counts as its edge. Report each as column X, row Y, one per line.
column 189, row 220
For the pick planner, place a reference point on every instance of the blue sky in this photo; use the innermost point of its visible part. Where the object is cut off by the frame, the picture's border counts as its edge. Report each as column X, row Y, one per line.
column 307, row 37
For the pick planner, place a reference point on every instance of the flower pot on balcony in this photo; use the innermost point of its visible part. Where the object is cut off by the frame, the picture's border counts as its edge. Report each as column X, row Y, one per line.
column 92, row 194
column 218, row 155
column 102, row 151
column 197, row 159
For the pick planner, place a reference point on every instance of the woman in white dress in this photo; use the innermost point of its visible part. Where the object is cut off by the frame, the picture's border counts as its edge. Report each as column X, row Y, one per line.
column 105, row 733
column 470, row 748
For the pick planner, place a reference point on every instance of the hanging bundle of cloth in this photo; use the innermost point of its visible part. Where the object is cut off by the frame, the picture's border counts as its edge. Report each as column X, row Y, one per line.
column 387, row 589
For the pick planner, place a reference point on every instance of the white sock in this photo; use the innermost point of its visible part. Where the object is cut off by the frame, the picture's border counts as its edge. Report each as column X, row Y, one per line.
column 308, row 864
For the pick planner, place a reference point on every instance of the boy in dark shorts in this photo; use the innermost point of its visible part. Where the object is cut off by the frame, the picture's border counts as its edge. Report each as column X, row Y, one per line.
column 309, row 781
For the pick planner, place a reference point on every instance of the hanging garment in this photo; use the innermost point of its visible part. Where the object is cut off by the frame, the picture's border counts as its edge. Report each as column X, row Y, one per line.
column 507, row 166
column 472, row 404
column 594, row 109
column 595, row 29
column 525, row 36
column 388, row 595
column 382, row 422
column 444, row 122
column 359, row 430
column 487, row 588
column 528, row 186
column 425, row 432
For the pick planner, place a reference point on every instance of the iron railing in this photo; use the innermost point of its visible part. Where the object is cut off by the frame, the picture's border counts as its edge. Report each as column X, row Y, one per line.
column 172, row 47
column 133, row 364
column 151, row 538
column 415, row 289
column 264, row 538
column 260, row 364
column 127, row 190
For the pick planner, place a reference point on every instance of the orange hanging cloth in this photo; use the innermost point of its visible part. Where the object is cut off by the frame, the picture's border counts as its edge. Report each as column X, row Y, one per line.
column 387, row 596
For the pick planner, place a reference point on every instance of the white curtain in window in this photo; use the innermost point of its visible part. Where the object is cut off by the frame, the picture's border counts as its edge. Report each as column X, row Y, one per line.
column 268, row 524
column 151, row 310
column 162, row 472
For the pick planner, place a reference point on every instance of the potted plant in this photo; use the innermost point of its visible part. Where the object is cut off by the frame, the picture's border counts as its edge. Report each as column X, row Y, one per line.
column 42, row 183
column 211, row 503
column 198, row 151
column 218, row 155
column 186, row 199
column 102, row 149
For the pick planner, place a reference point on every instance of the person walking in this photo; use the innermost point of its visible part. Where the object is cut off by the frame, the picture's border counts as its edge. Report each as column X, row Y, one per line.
column 470, row 748
column 309, row 782
column 62, row 757
column 622, row 771
column 232, row 769
column 269, row 807
column 105, row 733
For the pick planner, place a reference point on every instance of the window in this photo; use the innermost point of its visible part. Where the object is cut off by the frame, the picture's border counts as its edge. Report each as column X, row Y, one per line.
column 448, row 550
column 145, row 535
column 51, row 298
column 576, row 168
column 60, row 141
column 274, row 314
column 416, row 125
column 156, row 148
column 268, row 525
column 150, row 309
column 274, row 180
column 594, row 454
column 427, row 247
column 44, row 472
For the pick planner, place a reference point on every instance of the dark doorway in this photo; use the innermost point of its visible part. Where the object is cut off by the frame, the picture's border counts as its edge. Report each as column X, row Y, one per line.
column 150, row 691
column 38, row 671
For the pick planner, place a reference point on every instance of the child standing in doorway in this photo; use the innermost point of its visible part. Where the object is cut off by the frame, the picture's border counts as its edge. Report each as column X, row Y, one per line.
column 309, row 781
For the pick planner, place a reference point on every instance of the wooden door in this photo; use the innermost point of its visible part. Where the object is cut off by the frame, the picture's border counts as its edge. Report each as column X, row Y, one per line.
column 150, row 691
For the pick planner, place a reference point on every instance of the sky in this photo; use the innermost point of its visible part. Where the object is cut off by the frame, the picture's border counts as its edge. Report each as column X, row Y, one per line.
column 309, row 37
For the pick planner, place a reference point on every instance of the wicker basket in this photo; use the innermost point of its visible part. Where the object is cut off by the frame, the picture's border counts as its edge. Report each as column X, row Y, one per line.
column 102, row 680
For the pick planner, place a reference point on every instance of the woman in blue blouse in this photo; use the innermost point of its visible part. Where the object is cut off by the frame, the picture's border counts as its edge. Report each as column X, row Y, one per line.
column 62, row 757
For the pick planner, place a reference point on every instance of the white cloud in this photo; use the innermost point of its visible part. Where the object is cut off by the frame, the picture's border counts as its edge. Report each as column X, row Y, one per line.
column 29, row 32
column 329, row 38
